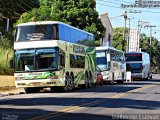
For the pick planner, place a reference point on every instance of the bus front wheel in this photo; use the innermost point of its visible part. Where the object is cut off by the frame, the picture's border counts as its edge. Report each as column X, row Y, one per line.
column 68, row 83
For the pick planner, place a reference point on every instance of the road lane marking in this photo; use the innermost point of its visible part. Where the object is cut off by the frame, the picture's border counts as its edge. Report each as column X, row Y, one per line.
column 67, row 109
column 76, row 109
column 81, row 106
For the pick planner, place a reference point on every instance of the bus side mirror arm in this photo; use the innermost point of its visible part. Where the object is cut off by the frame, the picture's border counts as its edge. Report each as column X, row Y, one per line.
column 108, row 57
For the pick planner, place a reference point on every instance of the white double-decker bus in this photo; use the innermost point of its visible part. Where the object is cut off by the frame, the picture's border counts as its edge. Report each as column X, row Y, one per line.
column 139, row 64
column 112, row 64
column 53, row 54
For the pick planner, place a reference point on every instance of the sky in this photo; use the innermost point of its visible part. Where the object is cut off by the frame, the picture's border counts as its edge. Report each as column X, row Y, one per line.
column 114, row 10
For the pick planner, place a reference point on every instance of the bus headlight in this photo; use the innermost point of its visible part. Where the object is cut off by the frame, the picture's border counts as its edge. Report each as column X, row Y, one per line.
column 19, row 78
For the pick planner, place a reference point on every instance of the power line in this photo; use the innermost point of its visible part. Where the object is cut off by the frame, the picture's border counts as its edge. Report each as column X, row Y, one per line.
column 23, row 8
column 27, row 5
column 123, row 1
column 117, row 1
column 112, row 2
column 32, row 4
column 108, row 5
column 35, row 22
column 146, row 11
column 116, row 20
column 126, row 9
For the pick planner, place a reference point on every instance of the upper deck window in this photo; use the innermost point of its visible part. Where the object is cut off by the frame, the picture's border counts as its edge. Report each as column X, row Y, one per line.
column 73, row 35
column 35, row 32
column 54, row 32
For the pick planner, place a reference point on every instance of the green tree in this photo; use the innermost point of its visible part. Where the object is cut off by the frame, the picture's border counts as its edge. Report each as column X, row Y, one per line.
column 118, row 37
column 78, row 13
column 155, row 50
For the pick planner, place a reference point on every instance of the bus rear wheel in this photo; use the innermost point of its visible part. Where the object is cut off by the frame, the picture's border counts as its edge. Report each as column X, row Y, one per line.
column 90, row 80
column 86, row 82
column 112, row 81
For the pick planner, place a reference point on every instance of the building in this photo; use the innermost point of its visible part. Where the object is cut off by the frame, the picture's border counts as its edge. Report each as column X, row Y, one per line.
column 134, row 37
column 107, row 39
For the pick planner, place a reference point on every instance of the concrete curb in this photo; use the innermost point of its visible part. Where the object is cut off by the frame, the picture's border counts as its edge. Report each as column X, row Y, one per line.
column 3, row 94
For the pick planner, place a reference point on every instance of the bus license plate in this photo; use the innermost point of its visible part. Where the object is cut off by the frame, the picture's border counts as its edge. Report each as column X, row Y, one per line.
column 36, row 83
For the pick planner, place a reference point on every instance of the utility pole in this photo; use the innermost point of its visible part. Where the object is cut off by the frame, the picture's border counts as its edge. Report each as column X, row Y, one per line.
column 124, row 31
column 127, row 47
column 7, row 27
column 150, row 41
column 140, row 25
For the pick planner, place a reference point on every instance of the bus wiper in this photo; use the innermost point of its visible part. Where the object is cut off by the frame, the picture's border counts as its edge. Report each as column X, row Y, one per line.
column 28, row 70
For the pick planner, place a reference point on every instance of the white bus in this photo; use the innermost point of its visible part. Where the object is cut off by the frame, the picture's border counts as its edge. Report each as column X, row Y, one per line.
column 139, row 64
column 53, row 54
column 111, row 63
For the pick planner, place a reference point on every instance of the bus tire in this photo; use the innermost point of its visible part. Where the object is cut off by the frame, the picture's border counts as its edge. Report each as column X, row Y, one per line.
column 111, row 82
column 101, row 83
column 151, row 77
column 90, row 80
column 68, row 84
column 71, row 85
column 86, row 80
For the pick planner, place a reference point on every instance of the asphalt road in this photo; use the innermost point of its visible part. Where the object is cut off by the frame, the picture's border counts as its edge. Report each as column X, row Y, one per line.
column 135, row 100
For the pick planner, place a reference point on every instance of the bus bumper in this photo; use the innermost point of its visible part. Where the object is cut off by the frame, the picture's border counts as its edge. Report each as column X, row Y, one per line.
column 38, row 83
column 137, row 75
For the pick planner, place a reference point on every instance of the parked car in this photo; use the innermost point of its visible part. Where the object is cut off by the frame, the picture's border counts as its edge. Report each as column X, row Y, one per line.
column 99, row 77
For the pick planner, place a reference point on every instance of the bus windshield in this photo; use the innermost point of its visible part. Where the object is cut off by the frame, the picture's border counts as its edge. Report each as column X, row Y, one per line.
column 34, row 32
column 101, row 61
column 134, row 67
column 133, row 57
column 36, row 59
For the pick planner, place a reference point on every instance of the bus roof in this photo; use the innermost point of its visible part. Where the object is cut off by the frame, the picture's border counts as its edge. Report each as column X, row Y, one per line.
column 106, row 48
column 51, row 22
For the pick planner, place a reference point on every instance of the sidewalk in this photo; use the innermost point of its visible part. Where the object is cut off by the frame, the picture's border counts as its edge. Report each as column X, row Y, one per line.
column 5, row 91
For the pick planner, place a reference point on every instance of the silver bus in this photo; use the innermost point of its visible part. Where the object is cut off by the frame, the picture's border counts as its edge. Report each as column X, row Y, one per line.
column 139, row 64
column 111, row 63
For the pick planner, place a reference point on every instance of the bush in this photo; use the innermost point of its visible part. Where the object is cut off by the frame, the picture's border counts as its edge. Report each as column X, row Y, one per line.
column 6, row 70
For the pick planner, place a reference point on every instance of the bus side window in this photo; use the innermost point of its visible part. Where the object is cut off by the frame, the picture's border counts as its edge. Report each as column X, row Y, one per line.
column 61, row 58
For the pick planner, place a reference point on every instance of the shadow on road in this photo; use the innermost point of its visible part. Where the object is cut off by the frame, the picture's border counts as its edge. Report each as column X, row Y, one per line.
column 107, row 102
column 144, row 82
column 22, row 114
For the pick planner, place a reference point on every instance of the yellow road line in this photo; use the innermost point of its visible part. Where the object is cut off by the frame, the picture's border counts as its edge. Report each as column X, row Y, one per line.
column 74, row 109
column 67, row 109
column 81, row 106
